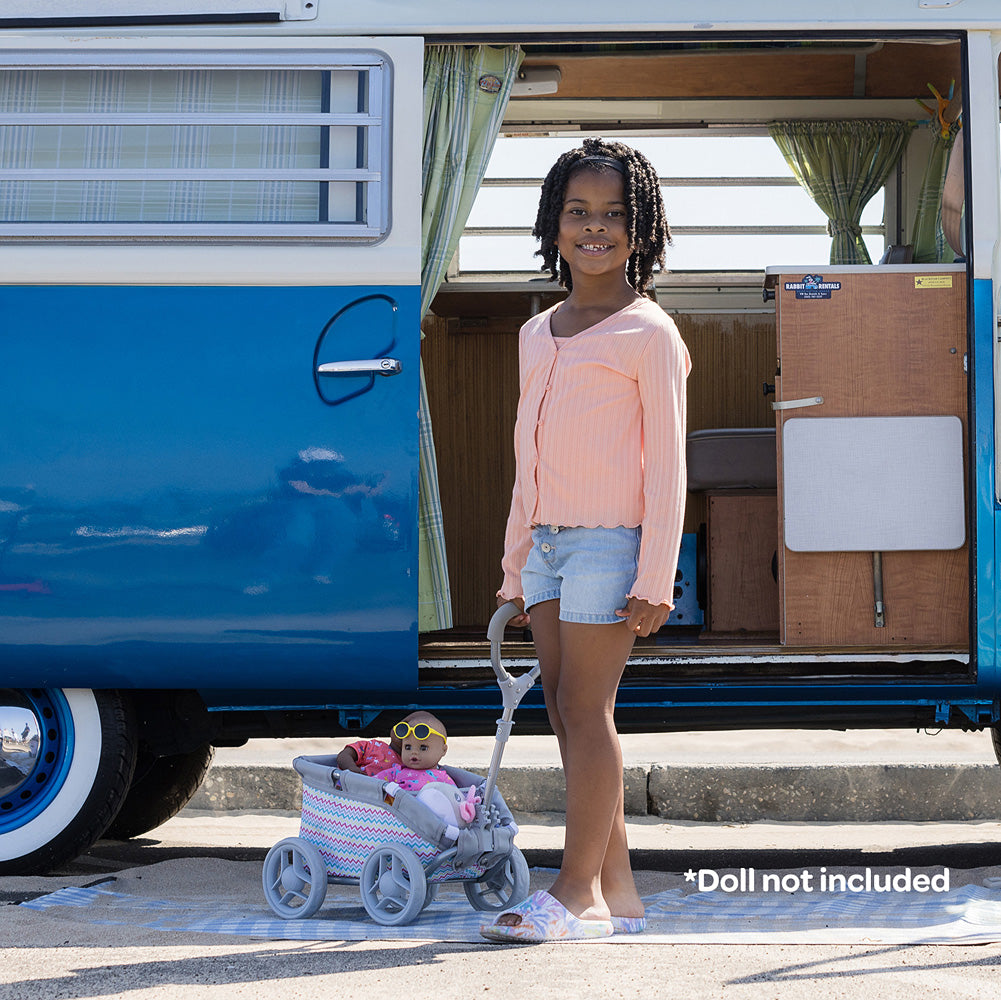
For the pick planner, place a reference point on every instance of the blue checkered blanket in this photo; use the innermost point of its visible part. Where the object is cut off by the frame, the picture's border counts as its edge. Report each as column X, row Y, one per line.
column 965, row 914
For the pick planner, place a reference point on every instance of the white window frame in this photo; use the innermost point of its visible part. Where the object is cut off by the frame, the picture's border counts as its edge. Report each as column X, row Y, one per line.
column 377, row 122
column 73, row 13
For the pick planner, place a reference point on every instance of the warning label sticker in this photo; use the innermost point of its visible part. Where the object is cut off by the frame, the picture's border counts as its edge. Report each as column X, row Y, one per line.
column 933, row 281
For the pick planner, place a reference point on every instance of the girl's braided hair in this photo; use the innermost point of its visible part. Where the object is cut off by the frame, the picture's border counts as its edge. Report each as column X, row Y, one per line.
column 646, row 221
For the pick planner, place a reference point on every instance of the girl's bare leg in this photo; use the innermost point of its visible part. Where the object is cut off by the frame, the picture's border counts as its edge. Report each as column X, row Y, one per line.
column 581, row 669
column 617, row 883
column 592, row 658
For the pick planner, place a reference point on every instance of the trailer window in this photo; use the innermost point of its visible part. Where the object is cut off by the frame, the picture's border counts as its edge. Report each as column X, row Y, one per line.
column 196, row 151
column 731, row 200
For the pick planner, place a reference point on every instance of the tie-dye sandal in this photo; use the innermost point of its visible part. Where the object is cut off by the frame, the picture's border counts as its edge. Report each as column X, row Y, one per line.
column 629, row 925
column 545, row 918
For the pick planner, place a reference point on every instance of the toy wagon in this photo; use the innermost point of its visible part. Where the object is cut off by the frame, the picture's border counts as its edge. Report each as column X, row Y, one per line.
column 359, row 830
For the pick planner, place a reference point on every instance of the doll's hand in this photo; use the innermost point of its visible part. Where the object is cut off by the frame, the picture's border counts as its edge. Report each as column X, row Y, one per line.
column 643, row 617
column 519, row 621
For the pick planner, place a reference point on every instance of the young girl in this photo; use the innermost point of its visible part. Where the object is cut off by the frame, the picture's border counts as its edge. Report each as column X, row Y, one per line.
column 596, row 517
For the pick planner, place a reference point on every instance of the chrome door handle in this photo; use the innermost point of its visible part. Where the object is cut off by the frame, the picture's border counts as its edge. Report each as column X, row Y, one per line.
column 372, row 366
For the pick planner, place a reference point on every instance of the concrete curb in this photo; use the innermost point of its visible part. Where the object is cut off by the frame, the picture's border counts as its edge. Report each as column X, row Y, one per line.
column 843, row 793
column 846, row 793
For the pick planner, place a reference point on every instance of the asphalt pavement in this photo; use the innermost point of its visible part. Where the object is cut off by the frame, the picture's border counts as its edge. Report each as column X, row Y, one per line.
column 50, row 955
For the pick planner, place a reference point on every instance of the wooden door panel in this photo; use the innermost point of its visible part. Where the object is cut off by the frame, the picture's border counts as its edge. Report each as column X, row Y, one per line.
column 886, row 343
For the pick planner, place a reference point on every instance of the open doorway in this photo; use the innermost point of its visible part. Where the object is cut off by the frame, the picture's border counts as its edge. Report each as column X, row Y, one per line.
column 736, row 209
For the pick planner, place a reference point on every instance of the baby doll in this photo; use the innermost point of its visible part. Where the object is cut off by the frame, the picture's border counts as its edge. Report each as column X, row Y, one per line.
column 422, row 745
column 372, row 756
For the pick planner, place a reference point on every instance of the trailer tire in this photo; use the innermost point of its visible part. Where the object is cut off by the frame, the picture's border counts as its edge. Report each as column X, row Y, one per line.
column 161, row 788
column 996, row 740
column 73, row 779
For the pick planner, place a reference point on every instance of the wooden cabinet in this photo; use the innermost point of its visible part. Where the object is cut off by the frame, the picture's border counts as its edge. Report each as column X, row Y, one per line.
column 743, row 593
column 872, row 342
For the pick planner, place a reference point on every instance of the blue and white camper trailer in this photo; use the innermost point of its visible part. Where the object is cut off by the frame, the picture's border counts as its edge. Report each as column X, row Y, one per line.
column 242, row 494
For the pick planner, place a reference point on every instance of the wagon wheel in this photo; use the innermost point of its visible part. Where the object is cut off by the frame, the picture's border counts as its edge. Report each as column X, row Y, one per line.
column 393, row 885
column 294, row 878
column 504, row 885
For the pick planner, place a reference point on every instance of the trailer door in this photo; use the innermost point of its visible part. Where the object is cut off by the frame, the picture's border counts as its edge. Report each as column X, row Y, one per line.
column 209, row 363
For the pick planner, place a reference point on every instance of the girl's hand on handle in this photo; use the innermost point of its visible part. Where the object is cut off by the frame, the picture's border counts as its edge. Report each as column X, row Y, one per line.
column 642, row 617
column 519, row 621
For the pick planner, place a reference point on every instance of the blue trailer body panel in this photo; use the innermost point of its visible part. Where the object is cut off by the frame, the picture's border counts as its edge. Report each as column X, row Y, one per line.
column 181, row 500
column 987, row 511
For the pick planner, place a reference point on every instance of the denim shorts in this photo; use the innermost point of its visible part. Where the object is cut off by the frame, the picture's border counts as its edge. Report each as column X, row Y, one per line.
column 589, row 570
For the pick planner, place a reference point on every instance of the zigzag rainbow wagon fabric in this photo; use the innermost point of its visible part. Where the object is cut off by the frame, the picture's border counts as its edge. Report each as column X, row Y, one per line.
column 345, row 832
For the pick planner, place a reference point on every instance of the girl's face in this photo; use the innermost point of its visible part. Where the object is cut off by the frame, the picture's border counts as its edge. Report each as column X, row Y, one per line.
column 593, row 236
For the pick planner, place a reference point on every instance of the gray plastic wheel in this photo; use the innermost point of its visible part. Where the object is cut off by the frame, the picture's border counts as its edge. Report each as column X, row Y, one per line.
column 393, row 885
column 504, row 885
column 294, row 878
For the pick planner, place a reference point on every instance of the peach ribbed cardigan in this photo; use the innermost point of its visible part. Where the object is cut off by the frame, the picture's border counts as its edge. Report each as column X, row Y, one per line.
column 600, row 439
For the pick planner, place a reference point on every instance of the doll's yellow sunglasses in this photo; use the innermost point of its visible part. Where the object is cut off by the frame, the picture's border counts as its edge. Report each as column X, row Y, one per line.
column 421, row 731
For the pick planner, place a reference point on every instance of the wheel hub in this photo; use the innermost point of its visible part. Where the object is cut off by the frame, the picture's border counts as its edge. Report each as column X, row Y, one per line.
column 20, row 743
column 35, row 746
column 290, row 881
column 388, row 886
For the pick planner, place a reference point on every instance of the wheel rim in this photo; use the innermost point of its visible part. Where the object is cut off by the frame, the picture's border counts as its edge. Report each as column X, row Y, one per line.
column 295, row 879
column 391, row 882
column 36, row 749
column 502, row 886
column 393, row 885
column 498, row 886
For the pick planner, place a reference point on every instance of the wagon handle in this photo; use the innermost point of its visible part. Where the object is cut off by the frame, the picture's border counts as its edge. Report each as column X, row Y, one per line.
column 513, row 689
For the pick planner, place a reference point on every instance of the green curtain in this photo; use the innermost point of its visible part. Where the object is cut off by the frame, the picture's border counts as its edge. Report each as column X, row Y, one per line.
column 927, row 236
column 842, row 164
column 466, row 90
